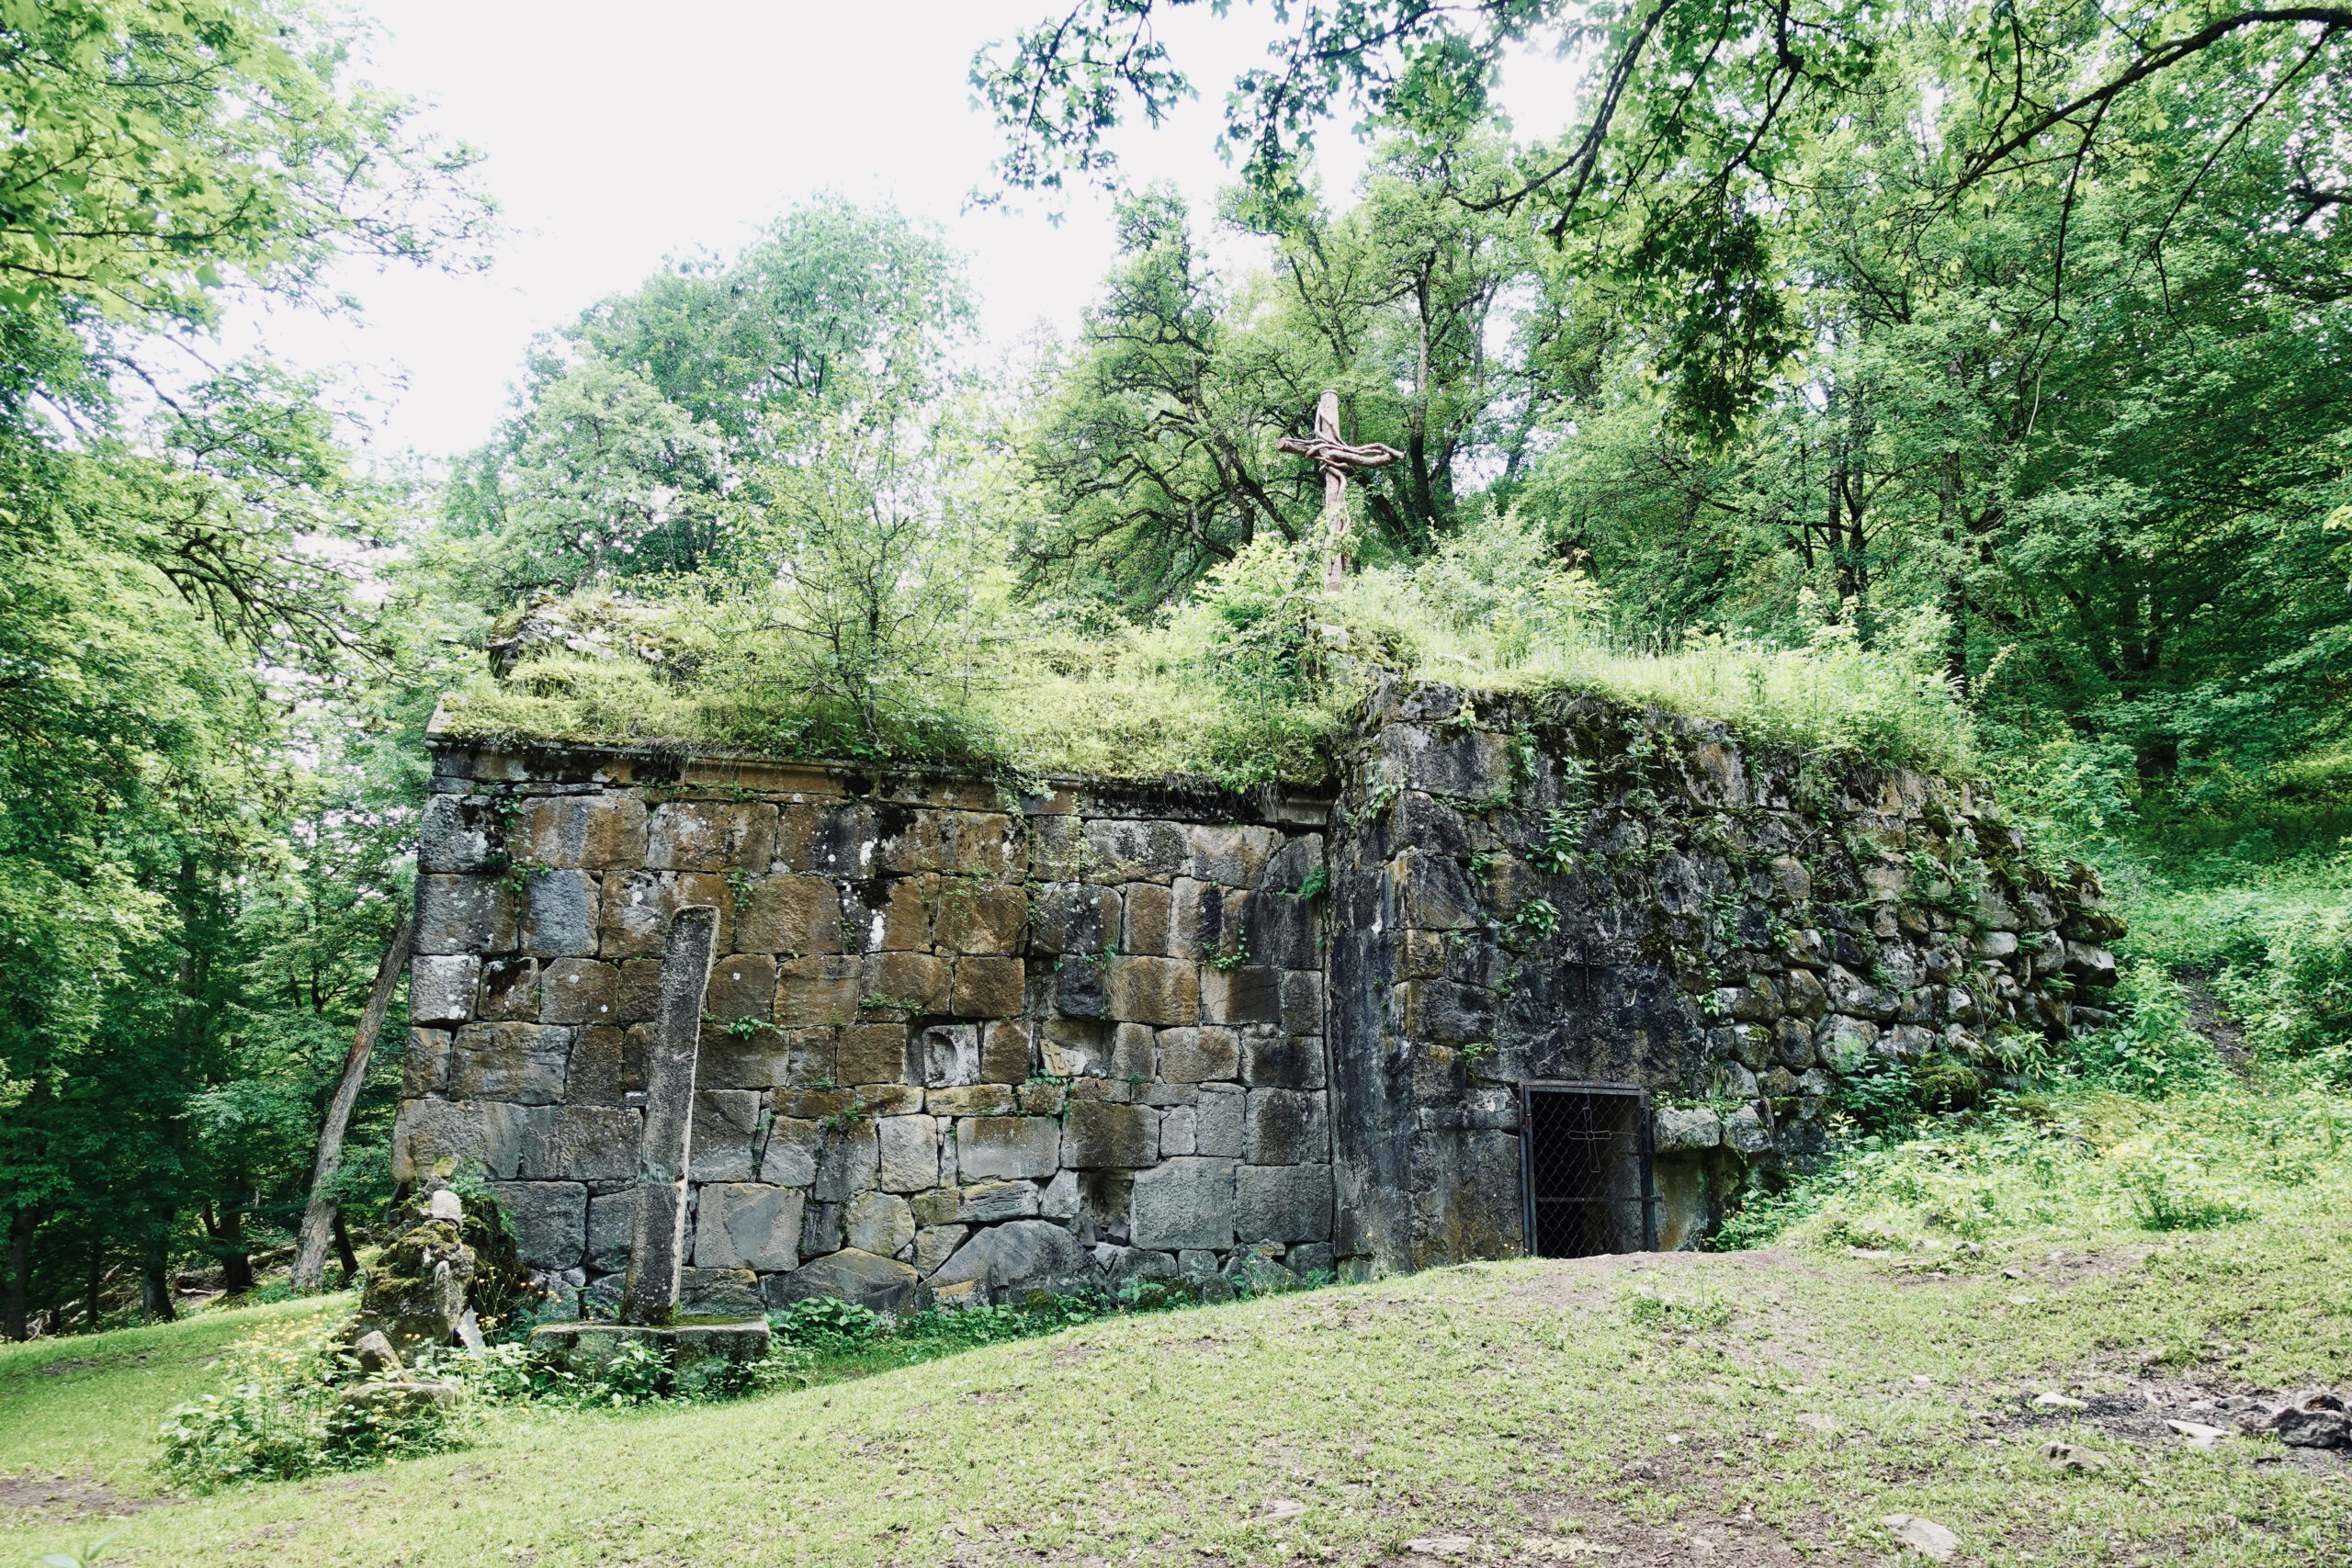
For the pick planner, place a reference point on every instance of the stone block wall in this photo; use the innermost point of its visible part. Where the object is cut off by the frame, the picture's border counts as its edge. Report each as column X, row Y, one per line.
column 956, row 1046
column 961, row 1046
column 1568, row 889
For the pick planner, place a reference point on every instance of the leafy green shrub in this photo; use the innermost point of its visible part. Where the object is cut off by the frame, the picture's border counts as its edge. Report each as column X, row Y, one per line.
column 280, row 1414
column 2153, row 1051
column 2170, row 1190
column 827, row 1325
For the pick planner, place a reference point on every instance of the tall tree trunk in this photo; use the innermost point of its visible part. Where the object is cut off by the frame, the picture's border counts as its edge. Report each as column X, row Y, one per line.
column 236, row 1263
column 90, row 1296
column 20, row 1270
column 320, row 1220
column 156, row 1273
column 344, row 1255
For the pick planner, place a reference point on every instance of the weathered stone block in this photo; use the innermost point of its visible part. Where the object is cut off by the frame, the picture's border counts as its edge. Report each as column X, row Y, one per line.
column 1010, row 1262
column 567, row 1143
column 879, row 1222
column 425, row 1069
column 972, row 1100
column 1183, row 1203
column 713, row 1292
column 1845, row 1044
column 1302, row 1002
column 742, row 985
column 1155, row 990
column 792, row 915
column 510, row 991
column 760, row 1059
column 640, row 989
column 874, row 1053
column 441, row 987
column 1793, row 1044
column 434, row 1137
column 981, row 920
column 821, row 1229
column 1744, row 1132
column 1235, row 856
column 579, row 990
column 988, row 1202
column 1220, row 1116
column 1005, row 1054
column 913, row 982
column 593, row 832
column 1470, row 764
column 1434, row 892
column 612, row 1222
column 633, row 917
column 846, row 1165
column 1443, row 1010
column 454, row 834
column 1176, row 1130
column 909, row 1155
column 1247, row 994
column 1074, row 916
column 1286, row 1203
column 559, row 914
column 1196, row 927
column 988, row 988
column 1675, row 1128
column 1286, row 1127
column 592, row 1076
column 992, row 1146
column 1278, row 930
column 1099, row 1137
column 790, row 1157
column 1123, row 850
column 815, row 992
column 709, row 835
column 971, row 844
column 522, row 1064
column 747, row 1225
column 725, row 1122
column 935, row 1245
column 951, row 1054
column 1198, row 1055
column 901, row 922
column 1272, row 1059
column 880, row 1284
column 464, row 915
column 1147, row 914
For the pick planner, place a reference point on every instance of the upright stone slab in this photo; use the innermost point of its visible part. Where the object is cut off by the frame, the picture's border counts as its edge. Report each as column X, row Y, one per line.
column 657, row 1249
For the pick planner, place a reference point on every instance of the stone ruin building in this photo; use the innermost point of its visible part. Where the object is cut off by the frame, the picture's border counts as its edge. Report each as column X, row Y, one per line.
column 1549, row 977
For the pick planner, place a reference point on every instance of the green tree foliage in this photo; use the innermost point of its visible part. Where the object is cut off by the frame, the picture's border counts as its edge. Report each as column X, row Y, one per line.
column 656, row 418
column 177, row 617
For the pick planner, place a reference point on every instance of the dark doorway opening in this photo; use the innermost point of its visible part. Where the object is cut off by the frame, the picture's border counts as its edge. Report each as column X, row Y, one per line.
column 1584, row 1152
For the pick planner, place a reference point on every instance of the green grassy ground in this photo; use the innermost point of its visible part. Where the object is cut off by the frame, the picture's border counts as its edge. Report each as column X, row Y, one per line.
column 1755, row 1406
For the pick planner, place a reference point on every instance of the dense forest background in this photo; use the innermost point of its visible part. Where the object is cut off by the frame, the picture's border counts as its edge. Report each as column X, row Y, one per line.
column 1999, row 352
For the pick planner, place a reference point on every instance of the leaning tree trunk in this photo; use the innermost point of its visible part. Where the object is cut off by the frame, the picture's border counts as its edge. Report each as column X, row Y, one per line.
column 319, row 1218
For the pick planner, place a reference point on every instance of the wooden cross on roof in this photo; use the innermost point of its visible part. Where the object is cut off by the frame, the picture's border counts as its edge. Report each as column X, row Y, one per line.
column 1337, row 460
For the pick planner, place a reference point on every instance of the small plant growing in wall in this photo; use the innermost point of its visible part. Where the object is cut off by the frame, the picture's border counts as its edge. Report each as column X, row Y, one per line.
column 1537, row 917
column 1561, row 831
column 1233, row 960
column 847, row 1119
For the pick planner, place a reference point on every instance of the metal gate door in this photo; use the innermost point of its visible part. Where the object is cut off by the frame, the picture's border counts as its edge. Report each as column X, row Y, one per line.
column 1585, row 1156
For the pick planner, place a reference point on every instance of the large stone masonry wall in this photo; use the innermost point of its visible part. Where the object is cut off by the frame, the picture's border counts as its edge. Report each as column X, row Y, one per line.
column 1573, row 890
column 956, row 1046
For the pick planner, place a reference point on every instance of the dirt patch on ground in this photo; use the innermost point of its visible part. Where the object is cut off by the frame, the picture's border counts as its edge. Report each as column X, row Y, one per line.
column 1562, row 1531
column 2139, row 1418
column 54, row 1498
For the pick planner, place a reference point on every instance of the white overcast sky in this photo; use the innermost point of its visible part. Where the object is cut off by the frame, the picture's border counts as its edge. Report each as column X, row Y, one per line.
column 618, row 134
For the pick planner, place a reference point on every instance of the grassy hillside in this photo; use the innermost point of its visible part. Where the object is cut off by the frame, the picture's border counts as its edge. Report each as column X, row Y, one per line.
column 1760, row 1406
